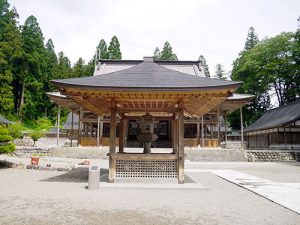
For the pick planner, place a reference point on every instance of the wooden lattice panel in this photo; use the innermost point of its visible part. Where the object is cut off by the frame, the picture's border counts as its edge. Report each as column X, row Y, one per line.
column 147, row 169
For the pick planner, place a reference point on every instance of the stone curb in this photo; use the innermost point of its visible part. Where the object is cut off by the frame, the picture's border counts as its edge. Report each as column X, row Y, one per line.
column 37, row 167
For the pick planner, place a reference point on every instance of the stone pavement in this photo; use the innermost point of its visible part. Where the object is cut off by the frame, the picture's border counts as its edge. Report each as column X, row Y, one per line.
column 284, row 194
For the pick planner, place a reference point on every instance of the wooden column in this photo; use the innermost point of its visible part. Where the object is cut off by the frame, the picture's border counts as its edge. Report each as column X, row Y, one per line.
column 101, row 131
column 79, row 125
column 225, row 119
column 202, row 131
column 122, row 135
column 72, row 127
column 58, row 124
column 112, row 145
column 98, row 132
column 198, row 132
column 242, row 129
column 219, row 124
column 175, row 135
column 180, row 146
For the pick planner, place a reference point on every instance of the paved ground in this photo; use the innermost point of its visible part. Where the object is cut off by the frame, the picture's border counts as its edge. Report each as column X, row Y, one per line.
column 53, row 197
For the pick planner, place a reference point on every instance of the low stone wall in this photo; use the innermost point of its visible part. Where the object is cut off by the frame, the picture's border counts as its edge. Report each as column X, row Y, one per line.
column 215, row 155
column 29, row 151
column 273, row 155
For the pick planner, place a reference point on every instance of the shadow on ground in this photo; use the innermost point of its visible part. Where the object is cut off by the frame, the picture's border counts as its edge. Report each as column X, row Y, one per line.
column 78, row 175
column 81, row 174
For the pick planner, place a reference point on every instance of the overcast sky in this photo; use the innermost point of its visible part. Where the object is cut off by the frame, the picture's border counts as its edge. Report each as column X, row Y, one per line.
column 216, row 29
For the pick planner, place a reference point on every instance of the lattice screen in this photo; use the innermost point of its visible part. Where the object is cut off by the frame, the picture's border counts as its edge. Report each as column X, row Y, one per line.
column 148, row 169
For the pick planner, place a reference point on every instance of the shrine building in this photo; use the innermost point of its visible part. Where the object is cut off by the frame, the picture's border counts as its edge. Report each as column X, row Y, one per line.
column 148, row 104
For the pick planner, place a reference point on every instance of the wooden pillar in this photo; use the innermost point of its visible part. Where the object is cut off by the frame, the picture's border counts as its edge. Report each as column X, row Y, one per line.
column 284, row 138
column 180, row 146
column 122, row 135
column 58, row 124
column 202, row 131
column 242, row 128
column 225, row 119
column 98, row 132
column 175, row 135
column 219, row 125
column 112, row 145
column 198, row 132
column 101, row 131
column 72, row 127
column 79, row 125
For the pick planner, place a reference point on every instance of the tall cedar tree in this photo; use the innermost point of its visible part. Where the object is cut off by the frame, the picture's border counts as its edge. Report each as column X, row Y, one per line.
column 102, row 52
column 220, row 73
column 64, row 69
column 114, row 50
column 36, row 102
column 10, row 52
column 157, row 54
column 204, row 66
column 167, row 52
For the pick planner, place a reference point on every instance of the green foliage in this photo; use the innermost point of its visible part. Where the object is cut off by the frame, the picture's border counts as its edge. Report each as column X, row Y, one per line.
column 220, row 73
column 114, row 51
column 43, row 123
column 204, row 65
column 35, row 135
column 8, row 148
column 252, row 39
column 5, row 141
column 102, row 52
column 10, row 51
column 16, row 130
column 166, row 53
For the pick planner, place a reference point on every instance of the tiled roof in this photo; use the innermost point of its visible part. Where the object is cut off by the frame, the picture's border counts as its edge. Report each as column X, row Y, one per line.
column 277, row 117
column 146, row 75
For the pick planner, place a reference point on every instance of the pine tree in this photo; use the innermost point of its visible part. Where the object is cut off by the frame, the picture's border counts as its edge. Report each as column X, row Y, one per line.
column 252, row 39
column 102, row 50
column 220, row 73
column 204, row 65
column 114, row 50
column 157, row 54
column 167, row 52
column 10, row 52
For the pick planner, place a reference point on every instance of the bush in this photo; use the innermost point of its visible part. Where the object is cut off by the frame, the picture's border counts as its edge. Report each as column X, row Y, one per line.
column 35, row 135
column 16, row 130
column 8, row 148
column 5, row 141
column 43, row 123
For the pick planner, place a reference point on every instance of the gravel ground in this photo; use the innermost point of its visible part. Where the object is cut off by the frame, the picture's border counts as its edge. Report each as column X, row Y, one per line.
column 42, row 197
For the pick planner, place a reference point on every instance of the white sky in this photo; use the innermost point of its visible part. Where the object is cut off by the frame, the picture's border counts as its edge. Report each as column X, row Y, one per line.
column 214, row 28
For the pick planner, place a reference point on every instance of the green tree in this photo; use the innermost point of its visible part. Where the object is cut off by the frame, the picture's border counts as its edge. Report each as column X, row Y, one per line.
column 220, row 73
column 10, row 52
column 64, row 69
column 167, row 52
column 204, row 66
column 102, row 52
column 157, row 54
column 35, row 99
column 114, row 50
column 252, row 39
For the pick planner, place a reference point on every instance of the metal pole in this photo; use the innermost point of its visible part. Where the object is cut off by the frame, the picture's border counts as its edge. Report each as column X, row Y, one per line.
column 72, row 128
column 202, row 132
column 58, row 124
column 98, row 131
column 242, row 128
